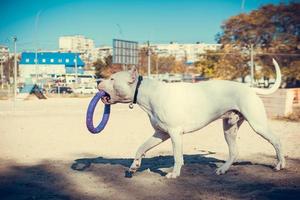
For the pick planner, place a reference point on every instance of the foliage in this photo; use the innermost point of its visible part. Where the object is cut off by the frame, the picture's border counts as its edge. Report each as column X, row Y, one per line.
column 294, row 116
column 8, row 68
column 104, row 68
column 226, row 64
column 206, row 66
column 270, row 29
column 159, row 64
column 100, row 66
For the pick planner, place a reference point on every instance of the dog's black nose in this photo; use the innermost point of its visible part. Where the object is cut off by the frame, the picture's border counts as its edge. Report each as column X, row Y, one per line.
column 98, row 80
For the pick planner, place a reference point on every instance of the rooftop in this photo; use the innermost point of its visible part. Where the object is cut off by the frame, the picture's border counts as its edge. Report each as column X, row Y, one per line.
column 52, row 58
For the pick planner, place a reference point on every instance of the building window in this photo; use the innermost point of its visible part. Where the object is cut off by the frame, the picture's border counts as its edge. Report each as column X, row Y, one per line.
column 67, row 60
column 27, row 60
column 52, row 60
column 44, row 60
column 60, row 60
column 35, row 60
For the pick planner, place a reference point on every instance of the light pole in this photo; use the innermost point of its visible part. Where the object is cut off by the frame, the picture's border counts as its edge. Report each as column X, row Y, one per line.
column 36, row 46
column 15, row 68
column 157, row 65
column 76, row 69
column 2, row 79
column 2, row 60
column 36, row 66
column 149, row 60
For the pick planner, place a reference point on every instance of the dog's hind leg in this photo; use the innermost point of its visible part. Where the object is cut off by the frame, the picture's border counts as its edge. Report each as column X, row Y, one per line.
column 256, row 116
column 230, row 127
column 152, row 142
column 264, row 131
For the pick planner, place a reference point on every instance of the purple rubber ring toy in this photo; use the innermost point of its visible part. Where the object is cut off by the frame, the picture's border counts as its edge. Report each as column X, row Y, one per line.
column 90, row 114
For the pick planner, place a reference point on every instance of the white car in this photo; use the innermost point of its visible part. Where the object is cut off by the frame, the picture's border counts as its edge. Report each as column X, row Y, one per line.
column 86, row 90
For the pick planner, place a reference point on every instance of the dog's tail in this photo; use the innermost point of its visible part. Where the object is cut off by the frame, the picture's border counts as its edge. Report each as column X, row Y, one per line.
column 276, row 84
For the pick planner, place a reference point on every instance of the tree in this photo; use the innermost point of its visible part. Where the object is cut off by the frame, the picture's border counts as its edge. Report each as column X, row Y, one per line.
column 206, row 65
column 227, row 63
column 143, row 60
column 104, row 68
column 271, row 29
column 100, row 67
column 8, row 68
column 159, row 64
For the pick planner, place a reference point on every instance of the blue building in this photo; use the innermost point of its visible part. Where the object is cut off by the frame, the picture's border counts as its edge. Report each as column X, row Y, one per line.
column 49, row 64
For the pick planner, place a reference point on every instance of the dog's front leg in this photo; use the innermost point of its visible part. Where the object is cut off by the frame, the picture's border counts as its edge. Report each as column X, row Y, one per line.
column 153, row 141
column 176, row 137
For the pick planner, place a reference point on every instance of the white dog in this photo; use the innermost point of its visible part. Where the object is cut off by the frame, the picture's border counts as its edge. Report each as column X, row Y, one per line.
column 178, row 108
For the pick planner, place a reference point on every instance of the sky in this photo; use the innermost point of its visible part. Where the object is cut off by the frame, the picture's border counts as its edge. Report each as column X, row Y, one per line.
column 39, row 23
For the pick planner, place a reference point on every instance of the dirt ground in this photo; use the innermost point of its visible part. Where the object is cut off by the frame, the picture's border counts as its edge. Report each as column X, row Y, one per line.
column 47, row 153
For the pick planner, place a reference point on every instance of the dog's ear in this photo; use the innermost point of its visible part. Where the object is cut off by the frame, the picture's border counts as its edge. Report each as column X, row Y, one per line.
column 133, row 74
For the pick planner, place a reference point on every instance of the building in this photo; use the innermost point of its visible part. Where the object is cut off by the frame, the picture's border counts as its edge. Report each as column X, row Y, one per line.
column 102, row 52
column 79, row 44
column 187, row 52
column 48, row 64
column 76, row 43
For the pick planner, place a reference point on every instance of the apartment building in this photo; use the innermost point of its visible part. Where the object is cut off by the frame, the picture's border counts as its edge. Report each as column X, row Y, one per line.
column 187, row 52
column 102, row 52
column 79, row 44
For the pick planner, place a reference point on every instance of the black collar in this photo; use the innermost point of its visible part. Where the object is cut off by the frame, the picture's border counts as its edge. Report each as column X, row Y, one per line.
column 140, row 78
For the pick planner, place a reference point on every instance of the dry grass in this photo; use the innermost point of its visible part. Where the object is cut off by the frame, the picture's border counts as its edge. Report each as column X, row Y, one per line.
column 294, row 117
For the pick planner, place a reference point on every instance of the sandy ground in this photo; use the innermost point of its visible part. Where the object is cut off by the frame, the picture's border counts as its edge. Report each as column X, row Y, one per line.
column 47, row 153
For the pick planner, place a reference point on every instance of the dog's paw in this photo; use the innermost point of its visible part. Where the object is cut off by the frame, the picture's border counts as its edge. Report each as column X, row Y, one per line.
column 133, row 169
column 280, row 165
column 221, row 170
column 172, row 175
column 135, row 165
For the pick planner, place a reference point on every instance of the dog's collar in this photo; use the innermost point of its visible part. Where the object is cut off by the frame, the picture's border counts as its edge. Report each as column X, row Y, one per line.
column 140, row 78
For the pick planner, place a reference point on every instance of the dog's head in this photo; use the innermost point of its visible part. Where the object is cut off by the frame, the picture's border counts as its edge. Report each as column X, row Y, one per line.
column 120, row 86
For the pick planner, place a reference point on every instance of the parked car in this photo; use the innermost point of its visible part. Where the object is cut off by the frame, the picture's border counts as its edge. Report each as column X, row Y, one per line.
column 199, row 78
column 62, row 89
column 86, row 90
column 171, row 78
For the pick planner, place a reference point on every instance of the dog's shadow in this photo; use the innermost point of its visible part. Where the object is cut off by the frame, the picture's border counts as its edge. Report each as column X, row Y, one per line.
column 154, row 164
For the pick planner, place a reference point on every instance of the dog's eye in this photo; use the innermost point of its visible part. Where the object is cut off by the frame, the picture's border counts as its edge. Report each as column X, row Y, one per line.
column 112, row 79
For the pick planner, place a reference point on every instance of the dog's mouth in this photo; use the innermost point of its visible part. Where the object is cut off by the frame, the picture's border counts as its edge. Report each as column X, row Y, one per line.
column 106, row 99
